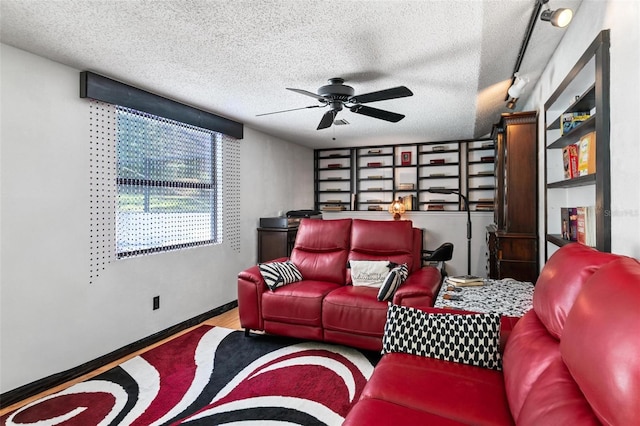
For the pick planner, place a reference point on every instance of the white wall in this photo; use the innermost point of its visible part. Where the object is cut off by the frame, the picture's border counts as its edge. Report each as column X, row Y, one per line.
column 622, row 17
column 51, row 318
column 441, row 228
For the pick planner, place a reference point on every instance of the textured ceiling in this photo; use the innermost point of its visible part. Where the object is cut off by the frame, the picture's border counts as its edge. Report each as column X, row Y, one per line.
column 235, row 58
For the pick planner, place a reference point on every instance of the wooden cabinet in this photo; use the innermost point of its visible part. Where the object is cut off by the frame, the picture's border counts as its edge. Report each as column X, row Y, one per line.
column 275, row 242
column 514, row 243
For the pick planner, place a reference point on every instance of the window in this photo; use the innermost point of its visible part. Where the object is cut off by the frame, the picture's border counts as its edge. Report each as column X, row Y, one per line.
column 167, row 176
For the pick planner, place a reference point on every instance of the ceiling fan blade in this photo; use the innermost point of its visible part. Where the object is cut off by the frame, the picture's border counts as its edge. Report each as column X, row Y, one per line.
column 327, row 119
column 377, row 113
column 393, row 93
column 307, row 93
column 287, row 110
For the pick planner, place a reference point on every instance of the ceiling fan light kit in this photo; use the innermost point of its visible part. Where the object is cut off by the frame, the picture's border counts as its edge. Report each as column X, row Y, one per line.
column 338, row 95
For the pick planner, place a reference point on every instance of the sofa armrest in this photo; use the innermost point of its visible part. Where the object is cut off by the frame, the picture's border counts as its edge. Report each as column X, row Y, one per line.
column 251, row 285
column 420, row 288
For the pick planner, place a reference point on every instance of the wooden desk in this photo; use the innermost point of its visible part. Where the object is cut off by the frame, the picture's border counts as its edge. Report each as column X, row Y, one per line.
column 275, row 242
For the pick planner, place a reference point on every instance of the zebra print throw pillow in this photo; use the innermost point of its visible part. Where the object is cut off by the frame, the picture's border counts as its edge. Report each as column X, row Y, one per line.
column 277, row 274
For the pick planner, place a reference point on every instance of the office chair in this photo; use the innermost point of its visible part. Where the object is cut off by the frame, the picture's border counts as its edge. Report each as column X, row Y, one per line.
column 439, row 255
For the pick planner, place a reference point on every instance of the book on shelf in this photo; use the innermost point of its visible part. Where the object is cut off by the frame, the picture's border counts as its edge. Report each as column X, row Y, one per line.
column 487, row 159
column 582, row 223
column 570, row 161
column 586, row 225
column 374, row 200
column 333, row 208
column 334, row 165
column 485, row 200
column 484, row 207
column 435, row 207
column 487, row 145
column 571, row 120
column 374, row 151
column 437, row 175
column 490, row 186
column 591, row 226
column 334, row 155
column 333, row 190
column 438, row 148
column 375, row 177
column 333, row 201
column 466, row 280
column 406, row 186
column 408, row 201
column 334, row 178
column 587, row 154
column 374, row 208
column 374, row 164
column 564, row 223
column 437, row 161
column 575, row 224
column 377, row 188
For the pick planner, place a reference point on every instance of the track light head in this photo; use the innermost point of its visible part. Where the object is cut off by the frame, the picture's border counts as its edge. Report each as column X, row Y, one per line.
column 512, row 103
column 516, row 89
column 559, row 18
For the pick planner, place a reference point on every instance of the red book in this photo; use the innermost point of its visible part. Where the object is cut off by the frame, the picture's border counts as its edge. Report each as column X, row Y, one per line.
column 570, row 161
column 437, row 161
column 582, row 225
column 374, row 164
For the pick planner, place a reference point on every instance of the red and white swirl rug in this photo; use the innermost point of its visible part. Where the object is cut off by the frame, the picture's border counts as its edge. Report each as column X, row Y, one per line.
column 213, row 376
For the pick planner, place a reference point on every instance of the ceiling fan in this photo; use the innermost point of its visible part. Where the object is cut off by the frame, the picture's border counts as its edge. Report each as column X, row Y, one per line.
column 337, row 95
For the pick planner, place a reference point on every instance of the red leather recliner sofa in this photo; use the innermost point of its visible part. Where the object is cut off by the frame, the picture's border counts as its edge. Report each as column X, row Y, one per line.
column 324, row 306
column 574, row 359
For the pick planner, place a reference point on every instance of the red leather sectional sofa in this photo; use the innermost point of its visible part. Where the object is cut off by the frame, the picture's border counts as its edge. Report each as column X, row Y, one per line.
column 323, row 306
column 574, row 359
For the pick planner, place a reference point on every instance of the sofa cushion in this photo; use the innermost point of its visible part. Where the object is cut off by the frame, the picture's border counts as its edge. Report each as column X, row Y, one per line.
column 385, row 413
column 555, row 399
column 277, row 274
column 297, row 303
column 392, row 281
column 460, row 392
column 527, row 354
column 561, row 280
column 321, row 249
column 355, row 310
column 382, row 240
column 369, row 273
column 601, row 342
column 472, row 339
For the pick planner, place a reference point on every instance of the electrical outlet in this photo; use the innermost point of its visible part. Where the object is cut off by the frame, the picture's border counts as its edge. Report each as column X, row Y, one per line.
column 156, row 302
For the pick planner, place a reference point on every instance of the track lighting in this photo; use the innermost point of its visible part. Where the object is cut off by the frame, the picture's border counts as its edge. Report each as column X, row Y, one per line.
column 512, row 103
column 517, row 88
column 558, row 18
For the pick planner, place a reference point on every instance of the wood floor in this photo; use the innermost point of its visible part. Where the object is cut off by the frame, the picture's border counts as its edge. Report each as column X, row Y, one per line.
column 228, row 319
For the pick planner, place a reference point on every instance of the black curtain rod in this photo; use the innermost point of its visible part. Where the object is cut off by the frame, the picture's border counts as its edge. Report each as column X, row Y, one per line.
column 100, row 88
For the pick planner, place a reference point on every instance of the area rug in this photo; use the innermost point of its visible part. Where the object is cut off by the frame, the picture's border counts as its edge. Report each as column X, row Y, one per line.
column 212, row 376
